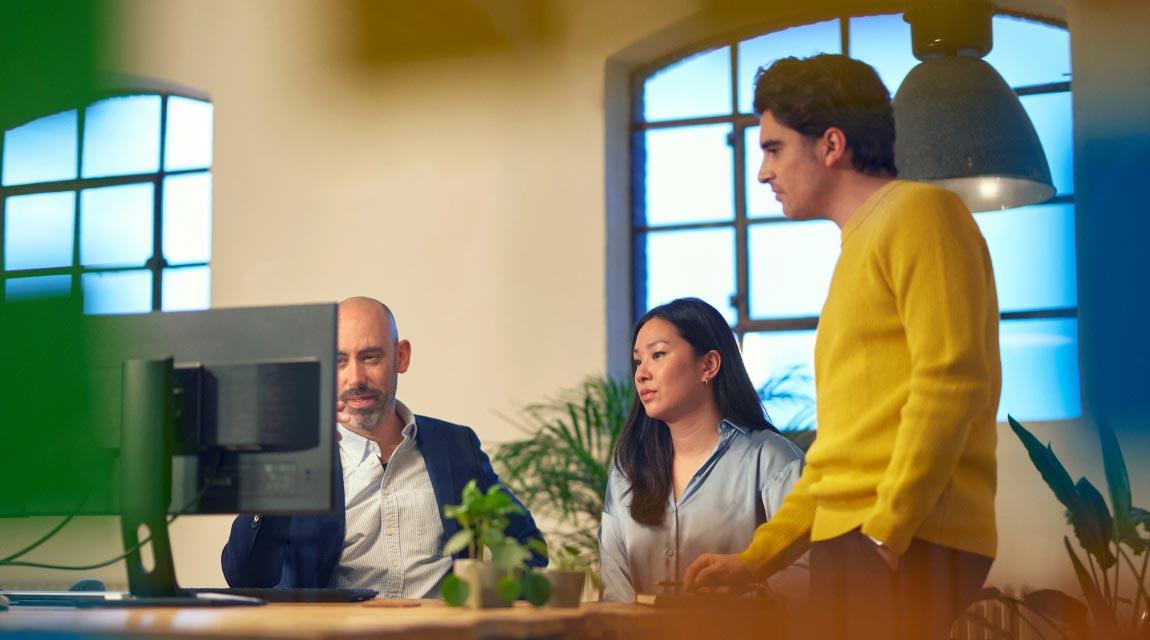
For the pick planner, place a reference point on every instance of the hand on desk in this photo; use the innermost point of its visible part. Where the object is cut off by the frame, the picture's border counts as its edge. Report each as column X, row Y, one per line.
column 718, row 573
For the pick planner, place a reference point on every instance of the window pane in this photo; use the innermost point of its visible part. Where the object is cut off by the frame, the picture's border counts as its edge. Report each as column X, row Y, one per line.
column 791, row 264
column 187, row 289
column 1050, row 113
column 38, row 287
column 690, row 88
column 1040, row 369
column 1027, row 52
column 781, row 366
column 188, row 218
column 689, row 175
column 1032, row 249
column 117, row 292
column 122, row 136
column 699, row 263
column 188, row 143
column 807, row 40
column 41, row 151
column 116, row 225
column 761, row 202
column 38, row 231
column 883, row 42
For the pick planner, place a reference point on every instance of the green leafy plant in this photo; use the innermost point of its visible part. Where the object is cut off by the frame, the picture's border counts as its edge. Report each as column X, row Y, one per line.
column 569, row 559
column 561, row 469
column 1111, row 540
column 790, row 394
column 572, row 559
column 483, row 519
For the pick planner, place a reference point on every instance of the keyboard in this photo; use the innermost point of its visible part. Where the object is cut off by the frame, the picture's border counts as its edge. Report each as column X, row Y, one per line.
column 273, row 594
column 114, row 599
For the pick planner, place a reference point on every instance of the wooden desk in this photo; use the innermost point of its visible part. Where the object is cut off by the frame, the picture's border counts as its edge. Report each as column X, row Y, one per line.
column 432, row 620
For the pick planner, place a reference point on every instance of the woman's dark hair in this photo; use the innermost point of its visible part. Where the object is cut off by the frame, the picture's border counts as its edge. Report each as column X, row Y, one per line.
column 813, row 94
column 645, row 453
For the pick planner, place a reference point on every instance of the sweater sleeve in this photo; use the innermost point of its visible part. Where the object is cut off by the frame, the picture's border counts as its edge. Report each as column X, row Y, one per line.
column 782, row 539
column 938, row 268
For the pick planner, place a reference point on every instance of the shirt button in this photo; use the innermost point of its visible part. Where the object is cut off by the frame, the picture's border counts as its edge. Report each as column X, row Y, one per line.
column 390, row 531
column 670, row 553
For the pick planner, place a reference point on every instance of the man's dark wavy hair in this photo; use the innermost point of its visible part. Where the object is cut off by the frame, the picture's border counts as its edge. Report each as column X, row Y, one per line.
column 813, row 94
column 645, row 453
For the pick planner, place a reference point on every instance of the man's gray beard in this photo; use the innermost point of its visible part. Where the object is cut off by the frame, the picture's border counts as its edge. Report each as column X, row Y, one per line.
column 368, row 417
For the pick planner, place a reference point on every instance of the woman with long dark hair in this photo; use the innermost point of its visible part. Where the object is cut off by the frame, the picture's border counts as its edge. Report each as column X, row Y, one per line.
column 698, row 465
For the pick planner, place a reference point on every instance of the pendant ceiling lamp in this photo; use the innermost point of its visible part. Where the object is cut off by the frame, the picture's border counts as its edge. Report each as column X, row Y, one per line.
column 957, row 123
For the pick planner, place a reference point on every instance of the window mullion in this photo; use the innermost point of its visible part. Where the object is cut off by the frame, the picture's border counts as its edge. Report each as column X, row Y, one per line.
column 157, row 263
column 741, row 298
column 77, row 285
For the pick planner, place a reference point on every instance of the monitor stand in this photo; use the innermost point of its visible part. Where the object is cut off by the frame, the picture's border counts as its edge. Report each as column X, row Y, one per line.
column 147, row 436
column 147, row 431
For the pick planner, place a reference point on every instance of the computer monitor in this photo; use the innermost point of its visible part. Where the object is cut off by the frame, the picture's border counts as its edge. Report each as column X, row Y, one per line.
column 219, row 411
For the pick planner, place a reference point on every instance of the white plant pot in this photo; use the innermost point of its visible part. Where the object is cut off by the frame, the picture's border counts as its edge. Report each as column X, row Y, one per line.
column 566, row 588
column 482, row 580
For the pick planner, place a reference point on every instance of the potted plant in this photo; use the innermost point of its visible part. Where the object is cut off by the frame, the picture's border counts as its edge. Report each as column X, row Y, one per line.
column 499, row 581
column 567, row 573
column 1111, row 540
column 561, row 468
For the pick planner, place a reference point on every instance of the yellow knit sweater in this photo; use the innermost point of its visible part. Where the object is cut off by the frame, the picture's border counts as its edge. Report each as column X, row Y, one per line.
column 908, row 376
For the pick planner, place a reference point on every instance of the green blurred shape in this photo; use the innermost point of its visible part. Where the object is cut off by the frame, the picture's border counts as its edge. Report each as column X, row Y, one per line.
column 49, row 454
column 49, row 52
column 52, row 458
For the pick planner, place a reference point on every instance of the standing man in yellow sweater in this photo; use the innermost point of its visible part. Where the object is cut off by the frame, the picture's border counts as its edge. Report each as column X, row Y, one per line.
column 897, row 499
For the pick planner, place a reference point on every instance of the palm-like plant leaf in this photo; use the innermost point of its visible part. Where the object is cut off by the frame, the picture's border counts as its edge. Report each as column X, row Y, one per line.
column 1105, row 620
column 1140, row 516
column 1118, row 482
column 1082, row 516
column 1048, row 466
column 792, row 387
column 1093, row 525
column 561, row 470
column 1062, row 607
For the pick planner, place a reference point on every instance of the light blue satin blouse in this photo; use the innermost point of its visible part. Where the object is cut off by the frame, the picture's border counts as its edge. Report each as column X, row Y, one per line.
column 740, row 486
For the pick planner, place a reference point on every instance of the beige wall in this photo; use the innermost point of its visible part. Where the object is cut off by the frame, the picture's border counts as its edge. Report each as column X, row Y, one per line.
column 466, row 170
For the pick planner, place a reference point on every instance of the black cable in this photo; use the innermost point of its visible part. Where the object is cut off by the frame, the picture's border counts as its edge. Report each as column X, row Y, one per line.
column 7, row 559
column 137, row 547
column 42, row 540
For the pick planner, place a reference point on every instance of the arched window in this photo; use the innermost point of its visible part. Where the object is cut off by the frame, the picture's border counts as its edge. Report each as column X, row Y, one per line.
column 703, row 226
column 113, row 201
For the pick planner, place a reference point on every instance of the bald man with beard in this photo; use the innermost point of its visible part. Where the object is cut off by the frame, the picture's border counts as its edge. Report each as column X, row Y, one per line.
column 399, row 470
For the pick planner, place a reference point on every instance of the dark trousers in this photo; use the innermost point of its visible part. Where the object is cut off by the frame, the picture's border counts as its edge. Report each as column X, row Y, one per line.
column 854, row 593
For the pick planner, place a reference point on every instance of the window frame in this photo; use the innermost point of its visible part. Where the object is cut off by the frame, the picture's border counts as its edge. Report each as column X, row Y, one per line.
column 741, row 224
column 156, row 263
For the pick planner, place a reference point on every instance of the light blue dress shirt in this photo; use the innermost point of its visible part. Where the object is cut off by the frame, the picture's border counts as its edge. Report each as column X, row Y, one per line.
column 392, row 524
column 740, row 486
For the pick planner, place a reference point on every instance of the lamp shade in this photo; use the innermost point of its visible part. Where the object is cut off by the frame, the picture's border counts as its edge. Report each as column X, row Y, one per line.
column 960, row 126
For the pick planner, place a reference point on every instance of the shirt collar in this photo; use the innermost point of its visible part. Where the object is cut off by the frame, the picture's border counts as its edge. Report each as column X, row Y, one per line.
column 359, row 447
column 726, row 427
column 410, row 427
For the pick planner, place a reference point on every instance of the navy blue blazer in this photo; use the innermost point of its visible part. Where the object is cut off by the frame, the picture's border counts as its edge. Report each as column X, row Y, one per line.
column 302, row 551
